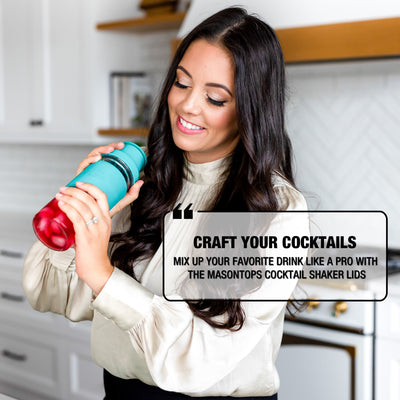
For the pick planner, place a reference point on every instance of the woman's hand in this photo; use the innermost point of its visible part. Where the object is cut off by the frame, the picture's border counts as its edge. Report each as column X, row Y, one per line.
column 87, row 208
column 94, row 156
column 131, row 196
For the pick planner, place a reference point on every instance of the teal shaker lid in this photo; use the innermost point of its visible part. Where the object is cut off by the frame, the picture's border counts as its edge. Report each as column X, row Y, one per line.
column 136, row 152
column 133, row 157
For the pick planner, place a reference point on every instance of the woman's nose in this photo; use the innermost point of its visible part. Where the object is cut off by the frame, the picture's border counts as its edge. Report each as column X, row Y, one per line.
column 192, row 103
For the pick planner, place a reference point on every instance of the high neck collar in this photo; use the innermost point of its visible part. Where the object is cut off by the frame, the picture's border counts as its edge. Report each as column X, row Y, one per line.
column 207, row 173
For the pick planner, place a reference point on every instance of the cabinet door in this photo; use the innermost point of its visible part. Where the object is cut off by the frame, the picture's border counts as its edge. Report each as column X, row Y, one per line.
column 18, row 48
column 387, row 351
column 387, row 369
column 69, row 54
column 86, row 378
column 388, row 318
column 43, row 47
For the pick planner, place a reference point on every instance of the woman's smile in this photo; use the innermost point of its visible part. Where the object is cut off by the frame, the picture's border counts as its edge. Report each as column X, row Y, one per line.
column 188, row 127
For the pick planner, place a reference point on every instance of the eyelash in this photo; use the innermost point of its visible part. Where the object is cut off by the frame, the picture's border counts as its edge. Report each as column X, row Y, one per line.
column 215, row 102
column 179, row 85
column 209, row 99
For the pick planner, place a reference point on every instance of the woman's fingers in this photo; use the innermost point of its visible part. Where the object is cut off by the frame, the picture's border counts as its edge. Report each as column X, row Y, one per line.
column 77, row 219
column 130, row 197
column 86, row 162
column 87, row 200
column 87, row 208
column 80, row 207
column 90, row 201
column 95, row 193
column 107, row 149
column 95, row 154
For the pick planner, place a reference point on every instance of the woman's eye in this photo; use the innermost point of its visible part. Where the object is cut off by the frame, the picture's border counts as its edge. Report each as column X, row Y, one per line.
column 179, row 85
column 215, row 102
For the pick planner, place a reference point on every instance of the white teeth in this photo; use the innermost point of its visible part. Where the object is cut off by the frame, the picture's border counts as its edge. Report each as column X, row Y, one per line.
column 188, row 125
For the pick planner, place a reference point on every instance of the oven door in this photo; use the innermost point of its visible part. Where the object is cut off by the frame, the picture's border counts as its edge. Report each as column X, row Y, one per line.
column 317, row 363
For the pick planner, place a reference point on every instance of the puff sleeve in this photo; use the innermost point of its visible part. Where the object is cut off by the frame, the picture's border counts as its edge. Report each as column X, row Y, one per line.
column 51, row 284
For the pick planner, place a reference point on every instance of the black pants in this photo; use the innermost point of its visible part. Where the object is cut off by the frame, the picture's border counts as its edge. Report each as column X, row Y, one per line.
column 134, row 389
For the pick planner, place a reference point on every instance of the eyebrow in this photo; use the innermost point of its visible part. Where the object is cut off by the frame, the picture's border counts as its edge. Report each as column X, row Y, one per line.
column 211, row 84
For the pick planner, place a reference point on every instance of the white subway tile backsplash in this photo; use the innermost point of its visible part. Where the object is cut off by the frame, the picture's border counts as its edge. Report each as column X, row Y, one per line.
column 344, row 122
column 32, row 174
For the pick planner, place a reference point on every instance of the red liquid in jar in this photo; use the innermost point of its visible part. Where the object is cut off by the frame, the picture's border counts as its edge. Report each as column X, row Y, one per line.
column 53, row 227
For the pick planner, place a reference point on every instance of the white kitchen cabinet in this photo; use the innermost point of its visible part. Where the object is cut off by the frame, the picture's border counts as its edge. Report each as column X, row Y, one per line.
column 85, row 378
column 31, row 359
column 37, row 363
column 388, row 349
column 43, row 356
column 43, row 71
column 55, row 68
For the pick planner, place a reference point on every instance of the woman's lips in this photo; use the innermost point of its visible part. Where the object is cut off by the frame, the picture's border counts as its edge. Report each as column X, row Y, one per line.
column 187, row 127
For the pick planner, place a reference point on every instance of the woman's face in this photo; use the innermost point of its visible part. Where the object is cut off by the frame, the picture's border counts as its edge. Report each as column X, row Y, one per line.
column 202, row 103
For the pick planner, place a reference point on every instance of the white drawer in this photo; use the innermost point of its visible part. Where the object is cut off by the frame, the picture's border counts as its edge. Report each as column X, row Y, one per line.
column 14, row 305
column 12, row 258
column 28, row 362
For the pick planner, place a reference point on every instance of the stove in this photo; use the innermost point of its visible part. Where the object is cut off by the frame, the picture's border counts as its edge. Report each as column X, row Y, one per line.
column 328, row 349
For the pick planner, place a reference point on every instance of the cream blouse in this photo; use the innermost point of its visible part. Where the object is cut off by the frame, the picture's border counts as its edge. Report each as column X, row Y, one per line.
column 137, row 333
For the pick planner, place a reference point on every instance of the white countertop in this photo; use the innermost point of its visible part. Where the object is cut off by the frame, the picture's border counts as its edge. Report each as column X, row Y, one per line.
column 4, row 397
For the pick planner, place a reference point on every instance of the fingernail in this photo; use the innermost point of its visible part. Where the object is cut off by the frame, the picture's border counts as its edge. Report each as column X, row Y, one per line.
column 79, row 183
column 60, row 203
column 58, row 195
column 63, row 188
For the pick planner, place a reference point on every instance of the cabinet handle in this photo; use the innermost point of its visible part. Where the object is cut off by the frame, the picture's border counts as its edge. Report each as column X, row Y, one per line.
column 36, row 122
column 11, row 254
column 12, row 297
column 14, row 356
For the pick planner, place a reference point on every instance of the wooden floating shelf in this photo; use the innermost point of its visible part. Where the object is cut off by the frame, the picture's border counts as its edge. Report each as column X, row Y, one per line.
column 343, row 41
column 153, row 23
column 132, row 132
column 377, row 38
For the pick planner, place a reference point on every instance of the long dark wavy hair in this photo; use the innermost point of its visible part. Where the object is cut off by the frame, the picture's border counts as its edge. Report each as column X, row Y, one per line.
column 263, row 147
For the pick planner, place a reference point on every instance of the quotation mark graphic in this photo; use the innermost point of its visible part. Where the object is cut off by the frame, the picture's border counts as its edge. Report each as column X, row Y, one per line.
column 187, row 214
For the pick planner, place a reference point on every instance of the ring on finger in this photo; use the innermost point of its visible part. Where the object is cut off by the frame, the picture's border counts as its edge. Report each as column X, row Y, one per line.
column 94, row 220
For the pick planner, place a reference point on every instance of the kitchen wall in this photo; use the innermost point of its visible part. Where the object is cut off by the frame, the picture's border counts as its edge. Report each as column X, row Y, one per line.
column 343, row 119
column 31, row 175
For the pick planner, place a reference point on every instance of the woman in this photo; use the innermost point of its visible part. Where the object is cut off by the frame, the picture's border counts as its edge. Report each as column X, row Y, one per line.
column 218, row 142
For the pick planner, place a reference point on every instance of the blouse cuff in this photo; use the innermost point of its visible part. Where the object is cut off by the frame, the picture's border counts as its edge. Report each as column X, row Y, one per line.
column 123, row 300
